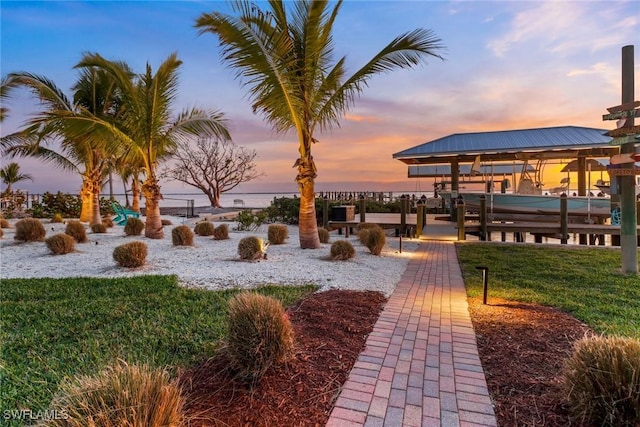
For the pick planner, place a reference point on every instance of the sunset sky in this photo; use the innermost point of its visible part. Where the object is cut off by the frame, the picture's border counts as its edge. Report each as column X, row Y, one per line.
column 509, row 65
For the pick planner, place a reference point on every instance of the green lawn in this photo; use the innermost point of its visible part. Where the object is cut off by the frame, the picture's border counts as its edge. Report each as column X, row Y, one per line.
column 52, row 328
column 587, row 283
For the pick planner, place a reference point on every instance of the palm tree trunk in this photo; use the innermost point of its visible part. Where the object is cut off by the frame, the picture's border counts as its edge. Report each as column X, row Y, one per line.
column 135, row 194
column 96, row 218
column 86, row 195
column 153, row 227
column 307, row 223
column 96, row 185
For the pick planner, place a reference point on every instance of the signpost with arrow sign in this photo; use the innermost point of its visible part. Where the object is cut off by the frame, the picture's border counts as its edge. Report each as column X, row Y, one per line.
column 622, row 169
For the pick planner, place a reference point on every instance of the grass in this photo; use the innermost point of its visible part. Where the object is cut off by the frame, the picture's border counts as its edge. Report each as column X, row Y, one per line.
column 587, row 283
column 53, row 328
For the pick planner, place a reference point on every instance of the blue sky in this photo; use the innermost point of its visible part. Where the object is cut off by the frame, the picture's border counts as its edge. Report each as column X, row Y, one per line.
column 509, row 65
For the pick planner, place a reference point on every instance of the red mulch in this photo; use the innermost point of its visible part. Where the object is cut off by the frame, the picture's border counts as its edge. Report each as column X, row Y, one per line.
column 330, row 332
column 522, row 348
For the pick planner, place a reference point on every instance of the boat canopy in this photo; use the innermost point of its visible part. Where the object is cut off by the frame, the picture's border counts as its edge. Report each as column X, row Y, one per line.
column 442, row 170
column 563, row 142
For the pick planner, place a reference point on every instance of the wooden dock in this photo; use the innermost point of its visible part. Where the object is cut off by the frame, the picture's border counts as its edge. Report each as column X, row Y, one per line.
column 384, row 220
column 596, row 232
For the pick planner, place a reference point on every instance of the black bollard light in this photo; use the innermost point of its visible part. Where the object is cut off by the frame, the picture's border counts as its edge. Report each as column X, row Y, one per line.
column 485, row 281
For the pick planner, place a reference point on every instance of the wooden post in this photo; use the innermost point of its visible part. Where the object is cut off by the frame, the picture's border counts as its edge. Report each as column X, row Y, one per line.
column 325, row 212
column 483, row 217
column 419, row 219
column 363, row 208
column 403, row 215
column 564, row 219
column 455, row 186
column 582, row 188
column 461, row 213
column 628, row 224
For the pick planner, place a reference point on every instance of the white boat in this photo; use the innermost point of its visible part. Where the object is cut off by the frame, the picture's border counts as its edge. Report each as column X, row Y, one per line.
column 535, row 204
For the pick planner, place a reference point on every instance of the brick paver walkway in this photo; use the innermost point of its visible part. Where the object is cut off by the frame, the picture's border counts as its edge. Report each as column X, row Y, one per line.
column 420, row 366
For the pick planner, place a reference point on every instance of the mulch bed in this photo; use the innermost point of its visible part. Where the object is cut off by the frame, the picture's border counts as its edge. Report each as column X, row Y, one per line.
column 330, row 332
column 522, row 347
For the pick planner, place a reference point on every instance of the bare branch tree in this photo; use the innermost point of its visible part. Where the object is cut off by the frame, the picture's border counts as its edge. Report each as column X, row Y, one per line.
column 212, row 166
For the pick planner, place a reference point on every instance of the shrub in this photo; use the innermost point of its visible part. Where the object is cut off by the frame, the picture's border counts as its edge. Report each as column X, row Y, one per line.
column 602, row 379
column 363, row 231
column 29, row 230
column 123, row 395
column 57, row 218
column 366, row 226
column 250, row 221
column 376, row 239
column 182, row 236
column 204, row 228
column 166, row 222
column 342, row 250
column 221, row 232
column 132, row 254
column 99, row 228
column 107, row 221
column 251, row 247
column 260, row 334
column 133, row 227
column 277, row 233
column 363, row 235
column 60, row 244
column 76, row 230
column 324, row 235
column 4, row 223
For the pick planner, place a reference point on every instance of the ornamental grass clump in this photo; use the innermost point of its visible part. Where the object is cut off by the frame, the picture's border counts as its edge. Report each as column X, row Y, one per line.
column 29, row 230
column 260, row 335
column 323, row 235
column 107, row 221
column 57, row 218
column 602, row 380
column 342, row 250
column 133, row 227
column 60, row 244
column 204, row 228
column 277, row 234
column 130, row 255
column 182, row 236
column 98, row 228
column 166, row 222
column 221, row 232
column 251, row 248
column 4, row 223
column 76, row 230
column 122, row 395
column 376, row 240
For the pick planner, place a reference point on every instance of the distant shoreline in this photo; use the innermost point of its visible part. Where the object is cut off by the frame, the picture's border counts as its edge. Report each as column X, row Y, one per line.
column 179, row 211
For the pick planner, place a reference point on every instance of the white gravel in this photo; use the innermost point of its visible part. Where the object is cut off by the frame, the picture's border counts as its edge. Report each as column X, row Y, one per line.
column 211, row 264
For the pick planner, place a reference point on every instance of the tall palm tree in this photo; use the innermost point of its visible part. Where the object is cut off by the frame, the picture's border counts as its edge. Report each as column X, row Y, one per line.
column 286, row 60
column 145, row 128
column 6, row 86
column 10, row 174
column 69, row 122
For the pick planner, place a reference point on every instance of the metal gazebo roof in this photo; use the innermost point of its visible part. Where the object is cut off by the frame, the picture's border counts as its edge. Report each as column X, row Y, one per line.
column 512, row 145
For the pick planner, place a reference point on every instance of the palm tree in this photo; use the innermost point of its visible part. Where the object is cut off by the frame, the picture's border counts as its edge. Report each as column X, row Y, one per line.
column 82, row 150
column 145, row 129
column 10, row 174
column 5, row 88
column 286, row 60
